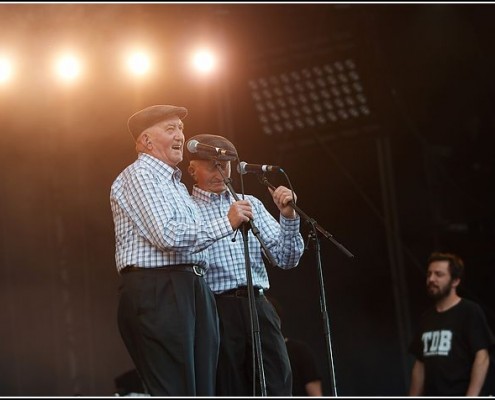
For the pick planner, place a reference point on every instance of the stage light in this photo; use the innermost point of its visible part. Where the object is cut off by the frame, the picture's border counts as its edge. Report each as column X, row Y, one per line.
column 326, row 94
column 6, row 69
column 139, row 63
column 204, row 61
column 68, row 67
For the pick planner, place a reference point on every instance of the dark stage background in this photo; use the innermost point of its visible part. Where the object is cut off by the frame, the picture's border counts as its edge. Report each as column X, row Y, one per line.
column 414, row 176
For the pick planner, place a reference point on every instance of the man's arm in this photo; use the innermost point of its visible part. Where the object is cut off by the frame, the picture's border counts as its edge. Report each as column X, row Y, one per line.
column 417, row 379
column 478, row 372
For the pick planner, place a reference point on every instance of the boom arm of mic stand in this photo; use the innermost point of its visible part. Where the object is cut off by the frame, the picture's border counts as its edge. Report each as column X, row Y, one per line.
column 311, row 221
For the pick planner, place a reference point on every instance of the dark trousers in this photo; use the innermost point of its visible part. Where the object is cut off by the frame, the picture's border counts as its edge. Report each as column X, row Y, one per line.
column 169, row 324
column 235, row 364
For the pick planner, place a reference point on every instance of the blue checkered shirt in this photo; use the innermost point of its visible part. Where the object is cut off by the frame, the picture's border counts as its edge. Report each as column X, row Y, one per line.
column 227, row 263
column 156, row 222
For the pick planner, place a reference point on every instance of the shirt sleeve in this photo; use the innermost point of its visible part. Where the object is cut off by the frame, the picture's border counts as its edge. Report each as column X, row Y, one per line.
column 168, row 218
column 283, row 240
column 479, row 333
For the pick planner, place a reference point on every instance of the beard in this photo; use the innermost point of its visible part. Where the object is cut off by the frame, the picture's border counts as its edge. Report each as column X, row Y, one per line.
column 438, row 293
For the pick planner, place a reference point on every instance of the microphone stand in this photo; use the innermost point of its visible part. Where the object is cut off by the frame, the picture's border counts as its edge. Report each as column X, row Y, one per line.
column 313, row 235
column 251, row 299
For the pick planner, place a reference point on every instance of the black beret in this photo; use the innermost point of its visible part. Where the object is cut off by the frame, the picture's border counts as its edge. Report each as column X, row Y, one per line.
column 149, row 116
column 215, row 141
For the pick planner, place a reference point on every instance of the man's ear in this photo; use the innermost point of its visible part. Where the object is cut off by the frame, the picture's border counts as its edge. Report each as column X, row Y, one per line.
column 147, row 140
column 191, row 171
column 143, row 143
column 456, row 282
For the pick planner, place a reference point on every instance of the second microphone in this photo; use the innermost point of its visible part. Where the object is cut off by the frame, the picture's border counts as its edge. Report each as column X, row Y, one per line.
column 245, row 168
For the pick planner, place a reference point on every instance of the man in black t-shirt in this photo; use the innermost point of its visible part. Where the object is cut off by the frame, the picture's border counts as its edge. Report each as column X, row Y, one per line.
column 453, row 341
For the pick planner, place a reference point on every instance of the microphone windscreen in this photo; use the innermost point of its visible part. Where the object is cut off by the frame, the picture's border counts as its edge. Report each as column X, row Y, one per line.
column 241, row 167
column 191, row 146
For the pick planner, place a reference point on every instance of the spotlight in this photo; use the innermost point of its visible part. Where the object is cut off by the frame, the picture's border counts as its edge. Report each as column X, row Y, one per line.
column 325, row 94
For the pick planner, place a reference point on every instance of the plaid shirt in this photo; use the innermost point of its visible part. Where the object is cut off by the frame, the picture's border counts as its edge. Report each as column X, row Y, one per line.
column 156, row 222
column 227, row 263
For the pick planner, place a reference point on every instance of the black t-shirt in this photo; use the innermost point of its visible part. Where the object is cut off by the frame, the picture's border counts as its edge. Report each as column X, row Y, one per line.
column 303, row 365
column 446, row 343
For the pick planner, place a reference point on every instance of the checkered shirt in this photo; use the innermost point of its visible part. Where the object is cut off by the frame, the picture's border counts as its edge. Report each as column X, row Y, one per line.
column 226, row 257
column 156, row 222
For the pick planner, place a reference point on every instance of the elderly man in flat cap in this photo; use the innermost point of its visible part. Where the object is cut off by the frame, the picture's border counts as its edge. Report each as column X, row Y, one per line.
column 166, row 315
column 227, row 275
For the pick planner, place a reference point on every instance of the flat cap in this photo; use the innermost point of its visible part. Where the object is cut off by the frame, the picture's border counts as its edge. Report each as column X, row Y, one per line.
column 211, row 140
column 151, row 115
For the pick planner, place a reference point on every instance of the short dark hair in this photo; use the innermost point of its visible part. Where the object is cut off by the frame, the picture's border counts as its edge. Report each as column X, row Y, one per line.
column 456, row 265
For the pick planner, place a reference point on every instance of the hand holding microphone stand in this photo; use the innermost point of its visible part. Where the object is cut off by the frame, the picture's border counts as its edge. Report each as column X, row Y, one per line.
column 313, row 235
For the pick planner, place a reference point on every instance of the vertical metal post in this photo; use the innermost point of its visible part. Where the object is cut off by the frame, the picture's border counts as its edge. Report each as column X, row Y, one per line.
column 395, row 252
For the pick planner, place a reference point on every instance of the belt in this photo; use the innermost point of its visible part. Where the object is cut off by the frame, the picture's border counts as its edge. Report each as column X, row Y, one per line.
column 195, row 269
column 241, row 292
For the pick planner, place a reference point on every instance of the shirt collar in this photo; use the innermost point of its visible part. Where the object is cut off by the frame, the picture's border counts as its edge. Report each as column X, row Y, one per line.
column 159, row 166
column 209, row 196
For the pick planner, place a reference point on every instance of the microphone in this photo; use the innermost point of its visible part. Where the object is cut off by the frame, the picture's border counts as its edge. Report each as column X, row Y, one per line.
column 195, row 147
column 245, row 168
